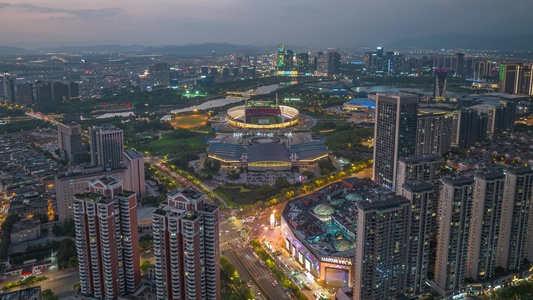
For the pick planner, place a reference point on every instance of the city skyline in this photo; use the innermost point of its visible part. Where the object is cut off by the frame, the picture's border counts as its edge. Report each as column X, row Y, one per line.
column 336, row 23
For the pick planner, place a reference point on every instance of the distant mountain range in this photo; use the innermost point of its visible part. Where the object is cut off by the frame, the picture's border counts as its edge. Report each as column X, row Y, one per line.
column 189, row 49
column 466, row 41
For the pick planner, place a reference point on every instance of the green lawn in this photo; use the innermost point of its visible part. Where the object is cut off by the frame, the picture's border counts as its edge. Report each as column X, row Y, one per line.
column 175, row 143
column 189, row 121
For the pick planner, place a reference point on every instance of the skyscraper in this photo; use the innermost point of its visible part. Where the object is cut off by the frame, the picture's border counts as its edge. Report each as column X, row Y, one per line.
column 440, row 84
column 9, row 88
column 419, row 167
column 460, row 64
column 485, row 225
column 468, row 127
column 379, row 264
column 281, row 57
column 434, row 132
column 422, row 197
column 515, row 243
column 302, row 63
column 186, row 247
column 134, row 177
column 70, row 141
column 44, row 92
column 501, row 119
column 334, row 63
column 107, row 146
column 60, row 91
column 394, row 134
column 107, row 241
column 73, row 91
column 454, row 213
column 322, row 63
column 24, row 93
column 516, row 79
column 160, row 74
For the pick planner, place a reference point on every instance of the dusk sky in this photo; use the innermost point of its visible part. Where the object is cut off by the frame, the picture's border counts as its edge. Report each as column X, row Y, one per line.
column 314, row 23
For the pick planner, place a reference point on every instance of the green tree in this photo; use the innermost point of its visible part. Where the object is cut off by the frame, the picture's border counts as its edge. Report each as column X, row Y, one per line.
column 282, row 183
column 145, row 266
column 66, row 250
column 49, row 295
column 324, row 171
column 73, row 262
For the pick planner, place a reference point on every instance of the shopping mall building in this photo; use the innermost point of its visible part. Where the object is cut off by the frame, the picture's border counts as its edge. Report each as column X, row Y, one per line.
column 318, row 231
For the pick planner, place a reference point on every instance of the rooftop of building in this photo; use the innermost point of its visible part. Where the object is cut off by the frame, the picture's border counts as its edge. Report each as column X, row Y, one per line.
column 188, row 192
column 226, row 151
column 31, row 293
column 418, row 186
column 132, row 154
column 419, row 158
column 457, row 180
column 268, row 152
column 106, row 180
column 519, row 170
column 362, row 101
column 310, row 150
column 25, row 224
column 490, row 175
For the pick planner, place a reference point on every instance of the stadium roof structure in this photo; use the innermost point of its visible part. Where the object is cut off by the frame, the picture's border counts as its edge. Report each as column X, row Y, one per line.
column 310, row 151
column 230, row 152
column 268, row 152
column 362, row 101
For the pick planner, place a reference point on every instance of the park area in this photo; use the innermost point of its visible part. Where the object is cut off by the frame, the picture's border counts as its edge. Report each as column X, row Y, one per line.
column 177, row 141
column 189, row 121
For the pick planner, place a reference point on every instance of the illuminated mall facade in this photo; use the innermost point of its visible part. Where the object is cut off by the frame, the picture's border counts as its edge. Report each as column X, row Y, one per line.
column 314, row 231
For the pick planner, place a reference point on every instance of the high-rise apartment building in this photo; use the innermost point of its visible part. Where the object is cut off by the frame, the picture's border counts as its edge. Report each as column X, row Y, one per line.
column 107, row 146
column 9, row 88
column 454, row 213
column 515, row 242
column 73, row 91
column 44, row 92
column 60, row 91
column 468, row 127
column 382, row 236
column 419, row 167
column 24, row 93
column 485, row 225
column 422, row 197
column 394, row 134
column 186, row 247
column 322, row 63
column 501, row 119
column 434, row 133
column 107, row 241
column 70, row 141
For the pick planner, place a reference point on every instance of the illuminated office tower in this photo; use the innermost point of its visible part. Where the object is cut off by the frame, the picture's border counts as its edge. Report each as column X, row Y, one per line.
column 485, row 225
column 394, row 134
column 281, row 57
column 107, row 241
column 515, row 243
column 186, row 247
column 454, row 213
column 302, row 63
column 334, row 63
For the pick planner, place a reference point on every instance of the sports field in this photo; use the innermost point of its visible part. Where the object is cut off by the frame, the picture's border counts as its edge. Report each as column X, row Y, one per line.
column 271, row 119
column 189, row 121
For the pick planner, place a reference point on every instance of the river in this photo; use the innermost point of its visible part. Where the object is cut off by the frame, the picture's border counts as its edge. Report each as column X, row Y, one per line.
column 265, row 89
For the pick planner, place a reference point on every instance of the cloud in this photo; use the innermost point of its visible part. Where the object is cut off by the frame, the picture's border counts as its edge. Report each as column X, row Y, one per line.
column 101, row 13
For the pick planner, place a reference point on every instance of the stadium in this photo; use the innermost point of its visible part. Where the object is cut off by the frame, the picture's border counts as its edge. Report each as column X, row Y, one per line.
column 262, row 117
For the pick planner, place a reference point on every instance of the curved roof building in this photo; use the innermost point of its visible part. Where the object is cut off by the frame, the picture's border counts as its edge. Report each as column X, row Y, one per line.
column 263, row 157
